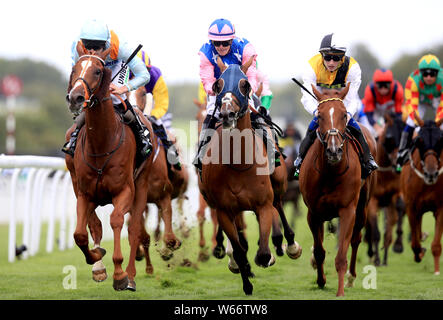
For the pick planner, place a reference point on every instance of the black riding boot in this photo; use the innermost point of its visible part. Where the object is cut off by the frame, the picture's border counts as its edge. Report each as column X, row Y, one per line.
column 306, row 143
column 140, row 131
column 368, row 162
column 405, row 141
column 69, row 147
column 205, row 137
column 171, row 151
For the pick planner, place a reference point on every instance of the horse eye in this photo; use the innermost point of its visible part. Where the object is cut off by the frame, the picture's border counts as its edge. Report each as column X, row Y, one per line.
column 98, row 72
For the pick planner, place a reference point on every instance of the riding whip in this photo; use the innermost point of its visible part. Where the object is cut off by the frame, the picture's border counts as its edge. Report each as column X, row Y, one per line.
column 127, row 61
column 304, row 88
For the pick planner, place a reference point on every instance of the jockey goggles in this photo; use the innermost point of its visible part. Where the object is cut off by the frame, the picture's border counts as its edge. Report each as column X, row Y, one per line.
column 329, row 57
column 383, row 84
column 94, row 44
column 225, row 43
column 429, row 72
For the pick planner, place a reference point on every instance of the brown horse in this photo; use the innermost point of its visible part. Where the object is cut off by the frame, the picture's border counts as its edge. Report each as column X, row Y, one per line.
column 103, row 167
column 217, row 250
column 387, row 191
column 331, row 185
column 236, row 178
column 422, row 186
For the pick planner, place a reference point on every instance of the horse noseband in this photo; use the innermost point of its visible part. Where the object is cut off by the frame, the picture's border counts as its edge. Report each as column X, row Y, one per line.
column 331, row 133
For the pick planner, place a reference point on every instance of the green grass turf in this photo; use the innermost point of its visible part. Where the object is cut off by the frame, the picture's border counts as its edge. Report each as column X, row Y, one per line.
column 42, row 277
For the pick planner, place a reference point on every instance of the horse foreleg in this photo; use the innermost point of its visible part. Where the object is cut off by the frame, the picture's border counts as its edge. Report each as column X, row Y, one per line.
column 169, row 238
column 355, row 242
column 239, row 254
column 391, row 221
column 277, row 236
column 436, row 243
column 84, row 208
column 400, row 206
column 95, row 227
column 373, row 233
column 214, row 228
column 415, row 224
column 264, row 257
column 319, row 252
column 293, row 250
column 219, row 250
column 347, row 221
column 201, row 220
column 122, row 205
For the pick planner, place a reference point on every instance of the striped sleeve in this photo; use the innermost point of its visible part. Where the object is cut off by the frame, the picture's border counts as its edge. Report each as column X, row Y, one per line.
column 411, row 97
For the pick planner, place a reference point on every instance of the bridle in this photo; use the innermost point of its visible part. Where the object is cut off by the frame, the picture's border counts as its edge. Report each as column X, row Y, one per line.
column 331, row 132
column 91, row 99
column 422, row 161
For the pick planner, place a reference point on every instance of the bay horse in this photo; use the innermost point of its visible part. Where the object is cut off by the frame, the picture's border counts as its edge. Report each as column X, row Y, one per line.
column 234, row 180
column 422, row 187
column 103, row 169
column 218, row 249
column 331, row 185
column 387, row 191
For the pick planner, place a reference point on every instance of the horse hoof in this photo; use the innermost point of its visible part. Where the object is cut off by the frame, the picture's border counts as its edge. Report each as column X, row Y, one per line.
column 279, row 251
column 203, row 255
column 271, row 261
column 121, row 284
column 294, row 251
column 140, row 254
column 219, row 252
column 436, row 273
column 149, row 270
column 166, row 254
column 247, row 288
column 313, row 263
column 350, row 280
column 131, row 285
column 174, row 244
column 99, row 275
column 233, row 267
column 398, row 248
column 99, row 271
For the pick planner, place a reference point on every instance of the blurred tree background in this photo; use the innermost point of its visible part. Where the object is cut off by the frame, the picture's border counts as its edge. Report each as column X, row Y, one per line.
column 42, row 116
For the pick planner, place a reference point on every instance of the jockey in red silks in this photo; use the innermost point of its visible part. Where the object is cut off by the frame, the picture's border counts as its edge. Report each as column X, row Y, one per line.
column 232, row 50
column 96, row 36
column 382, row 94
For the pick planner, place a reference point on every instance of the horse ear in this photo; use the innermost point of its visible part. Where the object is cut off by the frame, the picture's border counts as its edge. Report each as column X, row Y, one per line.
column 247, row 64
column 218, row 85
column 221, row 65
column 389, row 119
column 345, row 91
column 420, row 121
column 105, row 53
column 80, row 48
column 245, row 87
column 316, row 92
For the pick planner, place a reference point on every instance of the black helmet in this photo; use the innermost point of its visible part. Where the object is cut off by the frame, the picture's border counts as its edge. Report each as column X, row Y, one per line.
column 330, row 44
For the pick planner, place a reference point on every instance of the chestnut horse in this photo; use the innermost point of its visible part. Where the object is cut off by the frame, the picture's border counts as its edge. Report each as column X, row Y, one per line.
column 103, row 167
column 236, row 179
column 331, row 185
column 217, row 250
column 422, row 187
column 387, row 191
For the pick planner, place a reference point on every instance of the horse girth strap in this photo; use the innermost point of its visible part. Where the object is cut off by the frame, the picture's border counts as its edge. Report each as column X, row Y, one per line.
column 330, row 99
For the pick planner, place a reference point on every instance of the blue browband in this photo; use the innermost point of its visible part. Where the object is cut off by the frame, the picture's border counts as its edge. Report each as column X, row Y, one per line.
column 232, row 76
